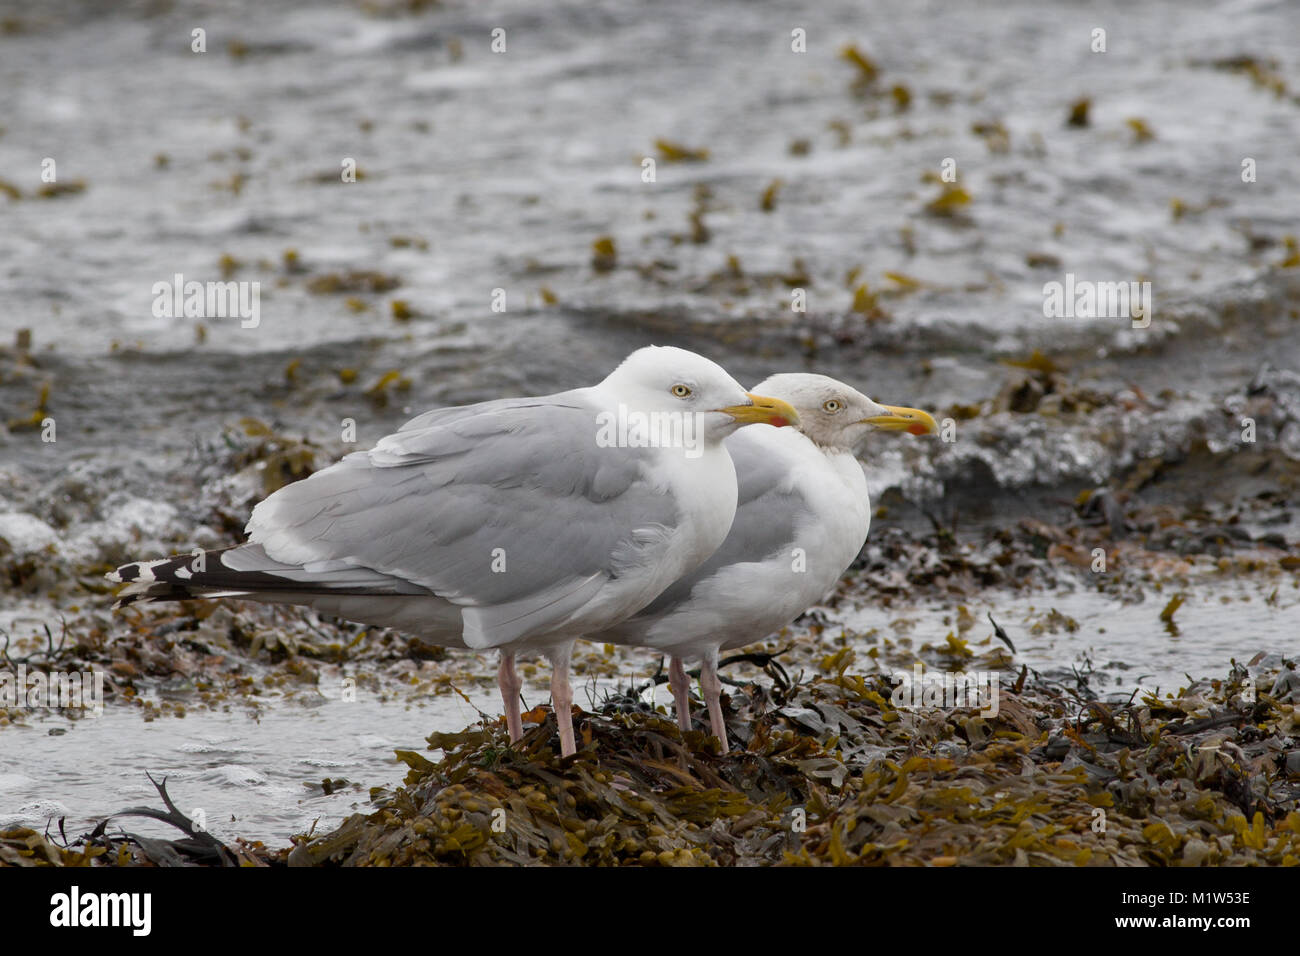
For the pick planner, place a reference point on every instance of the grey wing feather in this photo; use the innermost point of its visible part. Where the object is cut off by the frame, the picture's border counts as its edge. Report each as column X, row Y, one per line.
column 768, row 505
column 508, row 509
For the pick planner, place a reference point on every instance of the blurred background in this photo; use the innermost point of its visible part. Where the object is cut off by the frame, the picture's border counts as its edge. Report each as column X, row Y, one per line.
column 877, row 192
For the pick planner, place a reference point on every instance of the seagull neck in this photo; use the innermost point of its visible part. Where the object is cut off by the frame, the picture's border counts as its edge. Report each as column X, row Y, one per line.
column 831, row 449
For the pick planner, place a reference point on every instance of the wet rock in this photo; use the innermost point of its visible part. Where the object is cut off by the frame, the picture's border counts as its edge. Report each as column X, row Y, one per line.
column 24, row 534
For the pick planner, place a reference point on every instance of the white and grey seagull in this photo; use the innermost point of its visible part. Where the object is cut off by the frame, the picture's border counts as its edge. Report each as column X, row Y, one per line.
column 802, row 517
column 519, row 524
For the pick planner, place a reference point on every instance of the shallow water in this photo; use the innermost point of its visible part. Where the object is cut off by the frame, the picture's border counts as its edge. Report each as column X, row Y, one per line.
column 248, row 776
column 252, row 775
column 1123, row 646
column 258, row 777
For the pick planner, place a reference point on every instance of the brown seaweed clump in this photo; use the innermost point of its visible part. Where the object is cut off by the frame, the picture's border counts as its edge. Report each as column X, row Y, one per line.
column 833, row 773
column 829, row 772
column 638, row 793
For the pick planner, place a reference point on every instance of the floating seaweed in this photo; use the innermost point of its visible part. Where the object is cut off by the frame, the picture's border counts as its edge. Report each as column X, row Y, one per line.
column 865, row 302
column 352, row 281
column 950, row 203
column 995, row 135
column 392, row 379
column 1079, row 113
column 676, row 153
column 1265, row 74
column 1142, row 133
column 867, row 69
column 1042, row 260
column 1292, row 259
column 768, row 201
column 36, row 418
column 55, row 190
column 604, row 255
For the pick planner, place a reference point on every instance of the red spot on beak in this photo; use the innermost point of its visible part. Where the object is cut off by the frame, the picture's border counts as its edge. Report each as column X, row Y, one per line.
column 777, row 421
column 918, row 429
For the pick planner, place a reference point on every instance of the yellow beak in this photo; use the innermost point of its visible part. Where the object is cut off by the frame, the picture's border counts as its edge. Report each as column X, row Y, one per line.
column 764, row 410
column 902, row 419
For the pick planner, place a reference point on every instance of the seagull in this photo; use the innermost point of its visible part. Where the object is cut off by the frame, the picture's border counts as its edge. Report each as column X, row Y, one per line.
column 519, row 524
column 801, row 518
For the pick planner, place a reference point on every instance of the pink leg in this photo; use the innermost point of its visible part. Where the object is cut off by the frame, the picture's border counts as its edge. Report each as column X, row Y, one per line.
column 681, row 685
column 562, row 697
column 712, row 688
column 510, row 685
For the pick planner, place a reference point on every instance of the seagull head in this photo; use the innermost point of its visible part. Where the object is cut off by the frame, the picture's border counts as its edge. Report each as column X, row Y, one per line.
column 834, row 415
column 659, row 380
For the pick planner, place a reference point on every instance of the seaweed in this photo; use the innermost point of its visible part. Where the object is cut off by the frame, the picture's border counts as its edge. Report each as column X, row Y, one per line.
column 1078, row 117
column 868, row 72
column 865, row 302
column 1292, row 259
column 950, row 203
column 604, row 254
column 768, row 201
column 352, row 281
column 25, row 847
column 394, row 379
column 832, row 773
column 995, row 135
column 1264, row 74
column 279, row 459
column 35, row 419
column 55, row 190
column 676, row 153
column 1142, row 133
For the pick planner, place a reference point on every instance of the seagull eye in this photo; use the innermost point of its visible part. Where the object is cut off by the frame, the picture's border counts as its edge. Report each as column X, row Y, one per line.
column 681, row 391
column 832, row 405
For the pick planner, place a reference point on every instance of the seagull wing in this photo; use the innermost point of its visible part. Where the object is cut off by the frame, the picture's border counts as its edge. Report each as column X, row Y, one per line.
column 509, row 510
